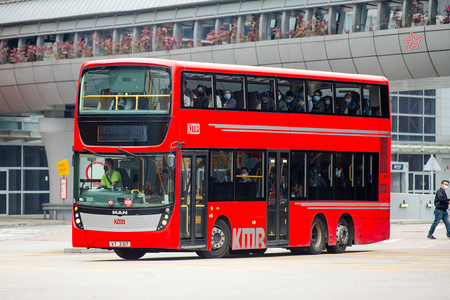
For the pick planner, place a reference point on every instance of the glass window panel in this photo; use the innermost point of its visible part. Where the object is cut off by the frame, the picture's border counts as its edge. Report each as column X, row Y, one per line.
column 34, row 156
column 36, row 180
column 15, row 204
column 233, row 85
column 415, row 161
column 410, row 124
column 2, row 181
column 430, row 125
column 394, row 123
column 430, row 106
column 221, row 176
column 394, row 104
column 249, row 175
column 197, row 90
column 320, row 184
column 298, row 175
column 411, row 181
column 373, row 101
column 344, row 176
column 410, row 138
column 418, row 182
column 10, row 156
column 250, row 6
column 319, row 91
column 297, row 87
column 2, row 204
column 33, row 203
column 371, row 176
column 430, row 92
column 15, row 180
column 348, row 99
column 429, row 139
column 261, row 93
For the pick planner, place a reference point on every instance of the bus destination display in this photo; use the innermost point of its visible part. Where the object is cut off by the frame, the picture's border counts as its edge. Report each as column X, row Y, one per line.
column 122, row 133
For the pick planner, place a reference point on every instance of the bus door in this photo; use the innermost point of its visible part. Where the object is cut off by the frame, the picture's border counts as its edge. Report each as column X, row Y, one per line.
column 193, row 199
column 277, row 203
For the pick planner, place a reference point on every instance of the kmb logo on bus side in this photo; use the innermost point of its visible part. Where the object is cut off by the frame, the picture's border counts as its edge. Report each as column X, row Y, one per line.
column 248, row 238
column 193, row 128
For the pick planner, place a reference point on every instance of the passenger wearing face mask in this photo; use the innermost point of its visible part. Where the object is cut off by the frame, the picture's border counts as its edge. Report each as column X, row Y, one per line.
column 267, row 103
column 352, row 104
column 200, row 99
column 111, row 177
column 318, row 106
column 327, row 103
column 291, row 102
column 440, row 212
column 228, row 100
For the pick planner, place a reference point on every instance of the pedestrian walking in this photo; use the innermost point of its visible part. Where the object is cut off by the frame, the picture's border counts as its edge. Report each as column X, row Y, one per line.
column 440, row 212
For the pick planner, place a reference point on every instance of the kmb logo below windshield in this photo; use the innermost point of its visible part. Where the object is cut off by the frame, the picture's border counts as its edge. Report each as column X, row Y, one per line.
column 193, row 128
column 119, row 221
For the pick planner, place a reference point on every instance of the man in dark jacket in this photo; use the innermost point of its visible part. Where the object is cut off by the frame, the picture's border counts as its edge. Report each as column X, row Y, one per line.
column 441, row 204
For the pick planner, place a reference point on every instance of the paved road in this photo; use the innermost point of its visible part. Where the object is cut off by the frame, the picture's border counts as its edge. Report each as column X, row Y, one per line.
column 34, row 265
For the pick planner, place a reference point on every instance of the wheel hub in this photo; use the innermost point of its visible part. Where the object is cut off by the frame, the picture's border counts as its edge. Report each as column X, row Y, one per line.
column 342, row 235
column 218, row 238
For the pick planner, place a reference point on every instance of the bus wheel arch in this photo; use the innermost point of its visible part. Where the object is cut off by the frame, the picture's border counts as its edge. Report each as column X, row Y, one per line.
column 344, row 234
column 220, row 240
column 318, row 235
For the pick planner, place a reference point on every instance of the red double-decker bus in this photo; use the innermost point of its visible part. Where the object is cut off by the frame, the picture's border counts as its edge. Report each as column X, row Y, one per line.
column 184, row 156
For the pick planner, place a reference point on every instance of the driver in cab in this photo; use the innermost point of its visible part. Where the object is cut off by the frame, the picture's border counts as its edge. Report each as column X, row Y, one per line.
column 111, row 177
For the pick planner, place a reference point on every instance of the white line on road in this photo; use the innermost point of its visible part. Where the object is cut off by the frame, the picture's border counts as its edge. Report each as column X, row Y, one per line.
column 427, row 246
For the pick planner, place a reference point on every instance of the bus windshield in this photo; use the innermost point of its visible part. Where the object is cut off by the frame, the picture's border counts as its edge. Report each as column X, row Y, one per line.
column 125, row 90
column 119, row 181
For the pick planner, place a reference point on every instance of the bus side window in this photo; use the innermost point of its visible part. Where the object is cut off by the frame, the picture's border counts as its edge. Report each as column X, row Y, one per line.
column 298, row 175
column 221, row 179
column 229, row 84
column 372, row 99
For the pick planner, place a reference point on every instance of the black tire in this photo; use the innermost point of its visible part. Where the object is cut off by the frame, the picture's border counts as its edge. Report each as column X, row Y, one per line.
column 130, row 254
column 317, row 237
column 342, row 237
column 220, row 241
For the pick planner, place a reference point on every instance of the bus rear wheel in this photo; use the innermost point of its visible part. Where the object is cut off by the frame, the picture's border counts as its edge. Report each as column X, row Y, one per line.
column 130, row 254
column 220, row 241
column 342, row 237
column 317, row 237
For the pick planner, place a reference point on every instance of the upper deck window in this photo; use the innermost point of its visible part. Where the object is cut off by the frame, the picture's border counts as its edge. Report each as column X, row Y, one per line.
column 125, row 90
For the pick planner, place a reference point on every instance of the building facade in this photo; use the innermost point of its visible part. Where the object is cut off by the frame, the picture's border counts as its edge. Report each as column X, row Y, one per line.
column 44, row 43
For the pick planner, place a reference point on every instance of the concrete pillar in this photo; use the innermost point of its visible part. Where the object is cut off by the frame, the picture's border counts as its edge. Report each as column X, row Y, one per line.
column 240, row 26
column 432, row 9
column 406, row 13
column 285, row 18
column 358, row 21
column 116, row 39
column 309, row 13
column 332, row 28
column 218, row 25
column 264, row 24
column 383, row 12
column 96, row 48
column 21, row 43
column 136, row 35
column 154, row 43
column 177, row 32
column 197, row 33
column 57, row 134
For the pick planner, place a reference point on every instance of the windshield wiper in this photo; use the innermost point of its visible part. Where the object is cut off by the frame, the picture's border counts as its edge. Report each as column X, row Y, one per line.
column 126, row 152
column 92, row 152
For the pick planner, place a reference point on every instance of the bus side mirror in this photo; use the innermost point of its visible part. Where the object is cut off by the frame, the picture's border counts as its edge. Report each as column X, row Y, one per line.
column 171, row 160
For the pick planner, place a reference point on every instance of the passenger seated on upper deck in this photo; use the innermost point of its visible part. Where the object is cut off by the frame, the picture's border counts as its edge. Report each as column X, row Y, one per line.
column 124, row 103
column 302, row 102
column 318, row 106
column 328, row 106
column 267, row 103
column 228, row 100
column 200, row 98
column 291, row 102
column 188, row 97
column 352, row 104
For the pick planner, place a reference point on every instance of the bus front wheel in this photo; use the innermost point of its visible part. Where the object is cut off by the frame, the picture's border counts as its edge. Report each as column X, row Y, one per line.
column 220, row 241
column 130, row 254
column 317, row 237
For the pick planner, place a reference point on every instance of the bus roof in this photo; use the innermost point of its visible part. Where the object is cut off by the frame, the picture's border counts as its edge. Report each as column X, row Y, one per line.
column 242, row 69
